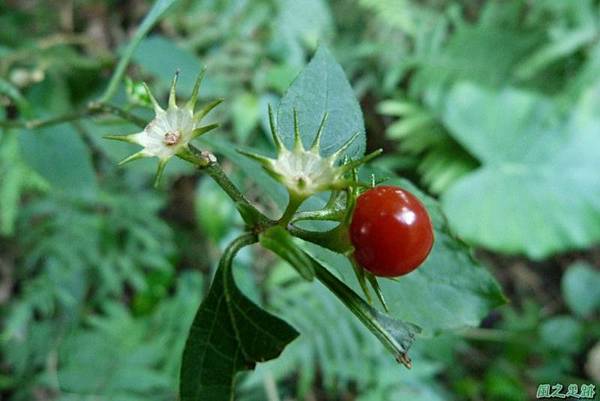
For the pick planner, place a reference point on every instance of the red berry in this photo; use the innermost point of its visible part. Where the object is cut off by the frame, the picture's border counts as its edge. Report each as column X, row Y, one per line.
column 391, row 231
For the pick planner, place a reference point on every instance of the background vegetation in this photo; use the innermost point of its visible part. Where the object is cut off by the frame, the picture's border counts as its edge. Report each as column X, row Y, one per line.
column 491, row 106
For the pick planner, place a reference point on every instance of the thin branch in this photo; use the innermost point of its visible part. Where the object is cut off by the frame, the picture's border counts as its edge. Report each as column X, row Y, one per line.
column 249, row 212
column 92, row 109
column 155, row 13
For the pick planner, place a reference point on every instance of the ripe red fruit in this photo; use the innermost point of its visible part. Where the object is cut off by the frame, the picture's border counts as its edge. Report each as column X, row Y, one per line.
column 391, row 231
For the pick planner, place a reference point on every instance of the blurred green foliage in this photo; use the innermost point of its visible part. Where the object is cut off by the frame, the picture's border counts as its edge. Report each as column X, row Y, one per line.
column 492, row 106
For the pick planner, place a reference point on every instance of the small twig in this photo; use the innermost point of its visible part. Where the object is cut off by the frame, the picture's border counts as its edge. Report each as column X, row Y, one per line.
column 247, row 209
column 92, row 109
column 99, row 107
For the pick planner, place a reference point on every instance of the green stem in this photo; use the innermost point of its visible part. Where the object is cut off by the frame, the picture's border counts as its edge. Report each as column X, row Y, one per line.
column 45, row 122
column 94, row 108
column 101, row 107
column 251, row 215
column 363, row 311
column 234, row 247
column 155, row 13
column 335, row 239
column 293, row 205
column 325, row 214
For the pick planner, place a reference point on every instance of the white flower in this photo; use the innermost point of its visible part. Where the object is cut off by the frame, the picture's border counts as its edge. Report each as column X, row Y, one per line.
column 304, row 172
column 171, row 130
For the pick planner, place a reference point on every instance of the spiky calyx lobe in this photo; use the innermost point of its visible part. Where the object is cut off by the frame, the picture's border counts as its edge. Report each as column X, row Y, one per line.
column 170, row 132
column 304, row 172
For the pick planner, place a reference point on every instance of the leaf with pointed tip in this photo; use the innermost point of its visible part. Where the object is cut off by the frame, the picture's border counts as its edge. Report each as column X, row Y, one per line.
column 322, row 87
column 61, row 157
column 229, row 334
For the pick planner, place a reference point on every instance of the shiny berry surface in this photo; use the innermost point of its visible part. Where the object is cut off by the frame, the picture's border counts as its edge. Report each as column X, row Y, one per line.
column 391, row 231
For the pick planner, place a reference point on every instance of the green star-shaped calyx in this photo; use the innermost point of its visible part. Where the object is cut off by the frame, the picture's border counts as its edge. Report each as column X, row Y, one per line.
column 304, row 172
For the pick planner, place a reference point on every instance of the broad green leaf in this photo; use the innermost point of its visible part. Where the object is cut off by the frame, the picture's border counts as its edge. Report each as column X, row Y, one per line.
column 538, row 188
column 59, row 155
column 322, row 87
column 451, row 290
column 581, row 288
column 229, row 334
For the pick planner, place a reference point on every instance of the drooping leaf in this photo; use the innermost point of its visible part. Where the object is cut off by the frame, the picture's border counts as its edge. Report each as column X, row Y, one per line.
column 538, row 188
column 322, row 87
column 229, row 334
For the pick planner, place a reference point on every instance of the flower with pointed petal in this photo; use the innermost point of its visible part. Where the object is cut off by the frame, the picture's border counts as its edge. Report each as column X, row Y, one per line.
column 304, row 172
column 171, row 130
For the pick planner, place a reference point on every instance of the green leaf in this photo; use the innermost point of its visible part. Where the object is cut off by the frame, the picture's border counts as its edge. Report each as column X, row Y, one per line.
column 450, row 291
column 322, row 87
column 59, row 155
column 537, row 190
column 229, row 334
column 581, row 288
